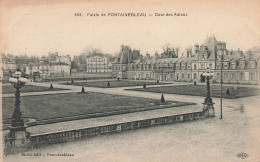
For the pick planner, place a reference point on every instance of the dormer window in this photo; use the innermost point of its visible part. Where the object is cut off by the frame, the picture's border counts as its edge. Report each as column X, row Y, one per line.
column 177, row 66
column 233, row 64
column 188, row 66
column 226, row 65
column 242, row 64
column 252, row 64
column 183, row 66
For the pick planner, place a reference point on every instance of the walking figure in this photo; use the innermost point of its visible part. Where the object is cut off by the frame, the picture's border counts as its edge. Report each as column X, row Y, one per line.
column 242, row 109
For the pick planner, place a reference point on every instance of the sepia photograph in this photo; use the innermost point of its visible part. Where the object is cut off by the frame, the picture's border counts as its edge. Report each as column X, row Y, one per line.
column 133, row 81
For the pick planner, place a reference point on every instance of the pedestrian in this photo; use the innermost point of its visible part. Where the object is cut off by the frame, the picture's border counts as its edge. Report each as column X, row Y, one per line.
column 242, row 109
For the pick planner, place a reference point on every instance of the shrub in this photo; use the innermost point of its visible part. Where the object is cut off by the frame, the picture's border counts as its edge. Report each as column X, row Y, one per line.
column 51, row 87
column 162, row 99
column 82, row 90
column 228, row 93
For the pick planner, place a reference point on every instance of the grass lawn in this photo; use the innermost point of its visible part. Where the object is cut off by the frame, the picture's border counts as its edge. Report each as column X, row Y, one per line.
column 28, row 88
column 46, row 107
column 200, row 90
column 114, row 83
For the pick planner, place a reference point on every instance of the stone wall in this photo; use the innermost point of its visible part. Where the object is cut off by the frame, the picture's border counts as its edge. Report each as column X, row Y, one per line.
column 71, row 135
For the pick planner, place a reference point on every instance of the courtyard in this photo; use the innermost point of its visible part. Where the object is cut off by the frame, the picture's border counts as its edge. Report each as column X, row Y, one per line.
column 80, row 105
column 114, row 83
column 205, row 140
column 200, row 90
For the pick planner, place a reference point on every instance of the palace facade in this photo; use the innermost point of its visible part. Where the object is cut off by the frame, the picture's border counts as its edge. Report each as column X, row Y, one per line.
column 46, row 69
column 237, row 67
column 98, row 64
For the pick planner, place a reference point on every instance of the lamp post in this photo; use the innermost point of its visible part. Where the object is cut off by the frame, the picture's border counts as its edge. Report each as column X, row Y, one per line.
column 208, row 75
column 221, row 81
column 18, row 82
column 208, row 104
column 18, row 134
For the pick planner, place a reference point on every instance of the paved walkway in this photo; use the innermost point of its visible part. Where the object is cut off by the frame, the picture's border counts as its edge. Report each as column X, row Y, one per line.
column 74, row 89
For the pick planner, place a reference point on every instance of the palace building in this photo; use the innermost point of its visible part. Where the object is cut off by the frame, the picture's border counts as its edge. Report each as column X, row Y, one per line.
column 237, row 66
column 98, row 64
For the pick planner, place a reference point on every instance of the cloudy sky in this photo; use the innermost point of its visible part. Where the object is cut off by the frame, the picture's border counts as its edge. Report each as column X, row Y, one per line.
column 38, row 27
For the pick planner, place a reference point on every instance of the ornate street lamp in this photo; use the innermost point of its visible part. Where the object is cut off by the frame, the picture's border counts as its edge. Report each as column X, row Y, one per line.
column 208, row 104
column 17, row 135
column 18, row 82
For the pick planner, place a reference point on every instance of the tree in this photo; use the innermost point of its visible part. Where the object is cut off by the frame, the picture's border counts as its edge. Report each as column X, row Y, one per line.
column 93, row 52
column 169, row 52
column 51, row 87
column 74, row 65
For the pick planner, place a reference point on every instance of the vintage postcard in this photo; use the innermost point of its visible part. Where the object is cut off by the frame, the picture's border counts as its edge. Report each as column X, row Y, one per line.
column 142, row 80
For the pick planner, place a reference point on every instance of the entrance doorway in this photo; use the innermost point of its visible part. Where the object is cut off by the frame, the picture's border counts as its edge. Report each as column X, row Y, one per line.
column 202, row 78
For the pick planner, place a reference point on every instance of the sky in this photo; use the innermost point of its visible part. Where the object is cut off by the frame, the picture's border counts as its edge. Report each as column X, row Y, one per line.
column 37, row 27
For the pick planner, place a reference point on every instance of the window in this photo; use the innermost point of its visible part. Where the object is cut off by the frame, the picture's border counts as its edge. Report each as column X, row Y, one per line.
column 210, row 65
column 202, row 66
column 252, row 76
column 241, row 76
column 218, row 76
column 195, row 66
column 232, row 76
column 218, row 66
column 194, row 76
column 225, row 76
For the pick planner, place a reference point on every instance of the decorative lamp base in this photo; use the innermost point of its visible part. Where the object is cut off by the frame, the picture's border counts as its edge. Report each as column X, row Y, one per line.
column 208, row 109
column 18, row 135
